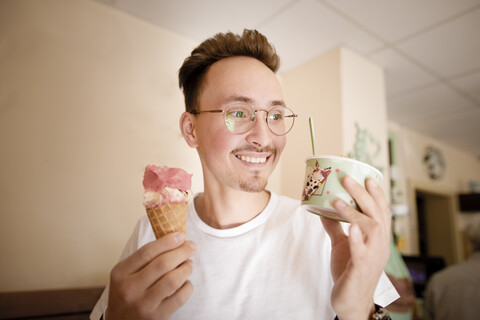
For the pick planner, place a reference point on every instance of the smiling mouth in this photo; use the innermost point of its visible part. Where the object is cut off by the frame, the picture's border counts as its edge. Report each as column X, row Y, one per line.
column 252, row 159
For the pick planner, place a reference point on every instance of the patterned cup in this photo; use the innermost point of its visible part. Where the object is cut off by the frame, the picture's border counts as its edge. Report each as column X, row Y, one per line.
column 323, row 183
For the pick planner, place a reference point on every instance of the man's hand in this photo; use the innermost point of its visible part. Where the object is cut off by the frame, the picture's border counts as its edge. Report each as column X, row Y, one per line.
column 152, row 282
column 358, row 259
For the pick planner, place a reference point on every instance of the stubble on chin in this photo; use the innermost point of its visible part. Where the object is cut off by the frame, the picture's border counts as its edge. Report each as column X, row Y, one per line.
column 257, row 185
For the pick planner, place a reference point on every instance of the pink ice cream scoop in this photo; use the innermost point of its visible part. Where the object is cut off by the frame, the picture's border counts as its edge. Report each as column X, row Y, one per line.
column 157, row 178
column 167, row 194
column 166, row 185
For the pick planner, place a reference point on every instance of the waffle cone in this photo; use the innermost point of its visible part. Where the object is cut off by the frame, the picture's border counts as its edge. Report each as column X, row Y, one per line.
column 171, row 217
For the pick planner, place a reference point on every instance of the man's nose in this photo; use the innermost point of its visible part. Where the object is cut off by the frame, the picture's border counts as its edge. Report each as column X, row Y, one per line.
column 260, row 134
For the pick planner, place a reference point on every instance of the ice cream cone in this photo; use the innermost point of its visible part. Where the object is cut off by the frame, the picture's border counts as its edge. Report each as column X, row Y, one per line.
column 168, row 218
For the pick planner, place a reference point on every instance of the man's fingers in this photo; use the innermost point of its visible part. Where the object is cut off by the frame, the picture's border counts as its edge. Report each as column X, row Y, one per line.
column 154, row 274
column 364, row 200
column 176, row 300
column 148, row 252
column 345, row 211
column 334, row 229
column 163, row 264
column 171, row 282
column 377, row 194
column 369, row 228
column 357, row 245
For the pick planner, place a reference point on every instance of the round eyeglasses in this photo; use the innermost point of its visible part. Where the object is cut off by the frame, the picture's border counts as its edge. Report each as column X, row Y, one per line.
column 239, row 119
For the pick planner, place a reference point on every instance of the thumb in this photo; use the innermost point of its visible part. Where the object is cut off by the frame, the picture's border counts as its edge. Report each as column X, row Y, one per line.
column 334, row 229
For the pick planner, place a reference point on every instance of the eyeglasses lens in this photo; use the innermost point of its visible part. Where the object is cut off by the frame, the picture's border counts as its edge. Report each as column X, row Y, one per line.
column 280, row 120
column 241, row 118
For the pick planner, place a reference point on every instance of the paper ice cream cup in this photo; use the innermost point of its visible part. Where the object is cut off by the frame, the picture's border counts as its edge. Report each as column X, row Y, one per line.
column 323, row 183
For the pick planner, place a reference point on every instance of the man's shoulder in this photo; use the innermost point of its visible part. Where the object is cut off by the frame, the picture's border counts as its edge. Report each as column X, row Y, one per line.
column 285, row 203
column 454, row 273
column 291, row 209
column 286, row 199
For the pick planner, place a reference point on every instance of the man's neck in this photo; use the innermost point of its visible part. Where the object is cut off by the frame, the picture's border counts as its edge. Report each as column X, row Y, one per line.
column 230, row 208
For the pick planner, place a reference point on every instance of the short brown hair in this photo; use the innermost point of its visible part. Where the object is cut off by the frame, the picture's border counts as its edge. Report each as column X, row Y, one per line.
column 223, row 45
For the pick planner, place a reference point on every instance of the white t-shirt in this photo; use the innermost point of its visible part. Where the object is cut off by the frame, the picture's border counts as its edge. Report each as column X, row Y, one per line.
column 276, row 266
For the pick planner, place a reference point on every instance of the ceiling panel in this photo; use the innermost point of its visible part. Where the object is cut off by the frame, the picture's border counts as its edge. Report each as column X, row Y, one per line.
column 401, row 75
column 443, row 127
column 470, row 84
column 460, row 129
column 308, row 29
column 459, row 55
column 201, row 19
column 429, row 103
column 394, row 20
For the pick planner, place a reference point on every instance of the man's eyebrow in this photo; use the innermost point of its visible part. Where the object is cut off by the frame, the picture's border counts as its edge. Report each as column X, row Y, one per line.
column 239, row 98
column 278, row 103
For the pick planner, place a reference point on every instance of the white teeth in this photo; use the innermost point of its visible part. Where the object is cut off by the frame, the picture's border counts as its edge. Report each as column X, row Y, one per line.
column 253, row 160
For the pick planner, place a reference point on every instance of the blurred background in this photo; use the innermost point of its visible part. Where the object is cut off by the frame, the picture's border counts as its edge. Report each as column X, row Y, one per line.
column 89, row 96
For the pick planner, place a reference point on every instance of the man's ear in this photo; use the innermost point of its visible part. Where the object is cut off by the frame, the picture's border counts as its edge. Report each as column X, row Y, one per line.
column 187, row 126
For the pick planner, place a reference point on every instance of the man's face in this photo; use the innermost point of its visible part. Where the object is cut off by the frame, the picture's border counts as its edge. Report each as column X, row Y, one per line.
column 240, row 161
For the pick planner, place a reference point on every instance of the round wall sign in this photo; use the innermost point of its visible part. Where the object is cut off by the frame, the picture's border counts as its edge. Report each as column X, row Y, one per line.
column 434, row 162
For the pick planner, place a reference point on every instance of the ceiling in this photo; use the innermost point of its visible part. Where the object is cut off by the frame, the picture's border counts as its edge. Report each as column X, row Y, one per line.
column 430, row 49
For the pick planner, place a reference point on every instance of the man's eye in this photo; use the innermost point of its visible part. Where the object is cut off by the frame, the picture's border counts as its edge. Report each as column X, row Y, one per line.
column 276, row 116
column 237, row 114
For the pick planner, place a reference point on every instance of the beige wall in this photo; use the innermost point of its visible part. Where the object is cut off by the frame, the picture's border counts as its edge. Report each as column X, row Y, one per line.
column 338, row 90
column 460, row 168
column 88, row 97
column 364, row 104
column 310, row 90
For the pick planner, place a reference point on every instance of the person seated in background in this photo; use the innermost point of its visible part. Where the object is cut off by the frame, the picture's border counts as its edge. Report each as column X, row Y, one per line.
column 454, row 293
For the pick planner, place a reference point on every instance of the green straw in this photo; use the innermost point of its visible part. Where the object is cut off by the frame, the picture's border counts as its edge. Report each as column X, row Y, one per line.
column 312, row 134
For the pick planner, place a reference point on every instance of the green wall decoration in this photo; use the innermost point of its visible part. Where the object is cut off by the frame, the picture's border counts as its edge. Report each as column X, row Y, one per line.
column 367, row 148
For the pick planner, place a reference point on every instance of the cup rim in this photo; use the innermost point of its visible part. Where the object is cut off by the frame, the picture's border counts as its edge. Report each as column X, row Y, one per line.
column 346, row 159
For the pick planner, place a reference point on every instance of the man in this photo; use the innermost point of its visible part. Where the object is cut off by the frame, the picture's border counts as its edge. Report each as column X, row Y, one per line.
column 454, row 293
column 250, row 254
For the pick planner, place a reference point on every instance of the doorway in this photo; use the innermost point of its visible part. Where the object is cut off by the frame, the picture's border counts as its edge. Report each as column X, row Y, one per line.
column 437, row 232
